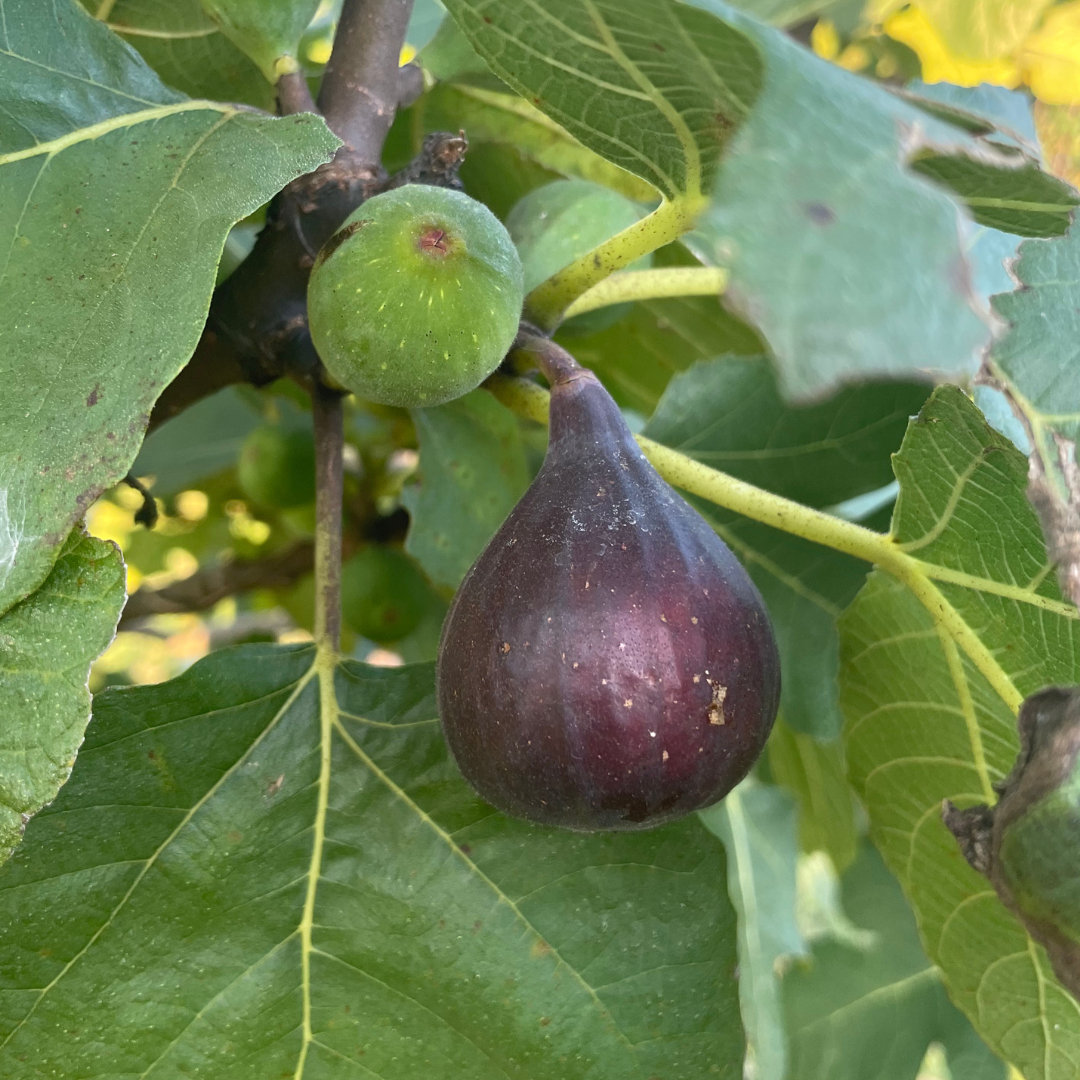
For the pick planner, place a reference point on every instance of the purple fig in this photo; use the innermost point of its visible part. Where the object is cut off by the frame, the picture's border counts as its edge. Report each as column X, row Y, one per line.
column 607, row 663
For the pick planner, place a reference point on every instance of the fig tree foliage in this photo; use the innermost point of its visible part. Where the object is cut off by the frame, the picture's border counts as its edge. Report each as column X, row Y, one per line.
column 728, row 731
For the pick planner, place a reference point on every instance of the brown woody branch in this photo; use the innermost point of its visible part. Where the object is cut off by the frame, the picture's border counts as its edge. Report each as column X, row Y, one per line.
column 203, row 589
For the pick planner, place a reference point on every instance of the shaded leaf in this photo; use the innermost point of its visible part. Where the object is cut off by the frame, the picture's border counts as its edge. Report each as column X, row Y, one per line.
column 284, row 852
column 1025, row 200
column 268, row 31
column 119, row 198
column 188, row 50
column 197, row 443
column 490, row 116
column 473, row 469
column 47, row 644
column 757, row 825
column 1035, row 363
column 637, row 356
column 870, row 1013
column 813, row 771
column 805, row 587
column 728, row 414
column 929, row 687
column 653, row 86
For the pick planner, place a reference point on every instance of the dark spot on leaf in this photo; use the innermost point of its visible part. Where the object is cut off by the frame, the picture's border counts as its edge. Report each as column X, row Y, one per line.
column 95, row 396
column 465, row 849
column 487, row 19
column 819, row 213
column 658, row 47
column 545, row 1020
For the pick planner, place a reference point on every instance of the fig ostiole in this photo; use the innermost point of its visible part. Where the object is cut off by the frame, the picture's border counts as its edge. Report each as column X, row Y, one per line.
column 607, row 663
column 1028, row 843
column 417, row 297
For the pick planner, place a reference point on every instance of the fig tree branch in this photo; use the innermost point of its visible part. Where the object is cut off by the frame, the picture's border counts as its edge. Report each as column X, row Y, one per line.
column 203, row 589
column 328, row 416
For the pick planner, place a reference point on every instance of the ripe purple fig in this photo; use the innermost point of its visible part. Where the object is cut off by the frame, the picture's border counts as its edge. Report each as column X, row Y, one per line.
column 607, row 663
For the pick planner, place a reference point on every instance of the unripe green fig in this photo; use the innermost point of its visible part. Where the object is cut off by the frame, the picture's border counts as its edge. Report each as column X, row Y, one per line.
column 556, row 224
column 1028, row 843
column 277, row 468
column 607, row 663
column 383, row 593
column 417, row 298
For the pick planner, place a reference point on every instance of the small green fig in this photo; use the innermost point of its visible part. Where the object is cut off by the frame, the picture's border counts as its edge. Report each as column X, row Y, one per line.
column 383, row 593
column 1028, row 843
column 417, row 298
column 277, row 468
column 555, row 224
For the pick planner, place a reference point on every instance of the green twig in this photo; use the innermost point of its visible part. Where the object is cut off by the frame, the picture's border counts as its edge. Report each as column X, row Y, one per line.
column 546, row 304
column 628, row 285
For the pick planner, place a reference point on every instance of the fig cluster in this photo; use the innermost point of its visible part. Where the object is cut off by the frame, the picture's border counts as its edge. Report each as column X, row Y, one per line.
column 607, row 663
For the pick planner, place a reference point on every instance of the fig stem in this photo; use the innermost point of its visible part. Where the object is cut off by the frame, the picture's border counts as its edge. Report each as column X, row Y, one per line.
column 329, row 479
column 546, row 305
column 531, row 401
column 667, row 281
column 553, row 360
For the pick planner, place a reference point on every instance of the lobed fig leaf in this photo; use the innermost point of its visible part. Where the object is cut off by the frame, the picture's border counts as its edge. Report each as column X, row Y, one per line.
column 607, row 663
column 276, row 468
column 417, row 298
column 1028, row 843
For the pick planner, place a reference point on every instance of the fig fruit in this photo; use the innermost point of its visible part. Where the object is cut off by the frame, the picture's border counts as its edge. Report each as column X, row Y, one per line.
column 555, row 224
column 416, row 299
column 276, row 468
column 607, row 663
column 1028, row 843
column 383, row 594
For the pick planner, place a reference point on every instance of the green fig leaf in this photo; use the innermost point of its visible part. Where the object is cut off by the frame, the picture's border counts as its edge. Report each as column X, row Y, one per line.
column 473, row 471
column 637, row 357
column 806, row 247
column 47, row 643
column 187, row 49
column 1034, row 363
column 199, row 442
column 281, row 848
column 870, row 1012
column 119, row 200
column 933, row 666
column 500, row 117
column 757, row 825
column 813, row 771
column 728, row 414
column 654, row 86
column 268, row 31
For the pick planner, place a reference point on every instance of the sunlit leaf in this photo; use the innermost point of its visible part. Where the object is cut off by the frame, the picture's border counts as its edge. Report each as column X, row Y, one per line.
column 276, row 870
column 119, row 196
column 933, row 666
column 47, row 644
